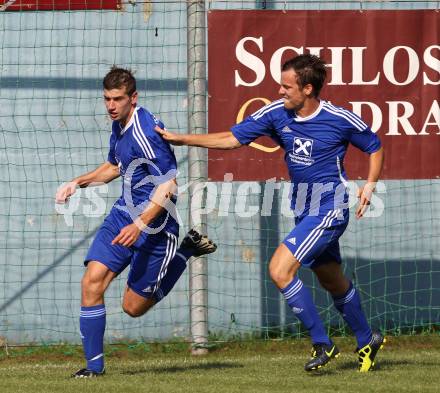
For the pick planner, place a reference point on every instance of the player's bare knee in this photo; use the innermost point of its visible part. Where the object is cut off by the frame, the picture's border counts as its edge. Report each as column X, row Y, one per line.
column 135, row 311
column 336, row 286
column 281, row 277
column 328, row 286
column 275, row 275
column 131, row 311
column 134, row 305
column 283, row 267
column 282, row 274
column 90, row 284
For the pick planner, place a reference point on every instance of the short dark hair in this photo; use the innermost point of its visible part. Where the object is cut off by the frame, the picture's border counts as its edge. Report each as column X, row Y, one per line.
column 310, row 69
column 117, row 78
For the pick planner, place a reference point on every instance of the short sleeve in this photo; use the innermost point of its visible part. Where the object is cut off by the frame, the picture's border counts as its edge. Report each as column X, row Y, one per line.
column 258, row 124
column 366, row 140
column 359, row 134
column 161, row 158
column 163, row 162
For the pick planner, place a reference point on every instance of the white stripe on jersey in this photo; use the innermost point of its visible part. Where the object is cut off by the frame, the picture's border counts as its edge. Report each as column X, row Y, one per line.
column 169, row 255
column 313, row 236
column 347, row 115
column 143, row 136
column 136, row 137
column 267, row 108
column 141, row 139
column 338, row 164
column 351, row 115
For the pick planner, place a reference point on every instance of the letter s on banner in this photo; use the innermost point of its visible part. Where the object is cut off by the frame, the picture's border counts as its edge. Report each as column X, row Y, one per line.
column 250, row 61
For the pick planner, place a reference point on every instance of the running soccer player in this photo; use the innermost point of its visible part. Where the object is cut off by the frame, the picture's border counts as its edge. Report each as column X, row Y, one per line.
column 141, row 229
column 314, row 135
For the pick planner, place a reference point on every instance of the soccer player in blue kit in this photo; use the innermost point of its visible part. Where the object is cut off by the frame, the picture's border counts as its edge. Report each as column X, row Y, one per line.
column 314, row 135
column 141, row 229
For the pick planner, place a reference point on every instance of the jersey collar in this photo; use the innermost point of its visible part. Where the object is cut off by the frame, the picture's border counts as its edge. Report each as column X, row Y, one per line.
column 130, row 122
column 314, row 114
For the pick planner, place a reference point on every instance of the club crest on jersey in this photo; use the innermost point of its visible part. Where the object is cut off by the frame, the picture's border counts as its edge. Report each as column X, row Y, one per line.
column 302, row 151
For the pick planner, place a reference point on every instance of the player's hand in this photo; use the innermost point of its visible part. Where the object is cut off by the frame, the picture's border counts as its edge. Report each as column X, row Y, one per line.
column 364, row 195
column 174, row 139
column 65, row 191
column 127, row 236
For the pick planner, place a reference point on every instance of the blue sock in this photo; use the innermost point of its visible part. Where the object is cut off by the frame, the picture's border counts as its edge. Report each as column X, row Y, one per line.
column 92, row 327
column 300, row 300
column 175, row 269
column 349, row 305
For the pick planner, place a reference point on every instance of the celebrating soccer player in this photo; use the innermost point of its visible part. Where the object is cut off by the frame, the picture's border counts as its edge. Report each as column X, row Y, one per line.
column 314, row 135
column 141, row 229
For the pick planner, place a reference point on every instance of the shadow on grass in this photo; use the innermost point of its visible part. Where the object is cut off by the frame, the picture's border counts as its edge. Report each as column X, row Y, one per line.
column 382, row 365
column 386, row 364
column 321, row 373
column 178, row 369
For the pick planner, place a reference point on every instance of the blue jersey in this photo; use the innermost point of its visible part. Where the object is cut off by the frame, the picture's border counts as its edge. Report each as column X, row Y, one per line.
column 145, row 160
column 314, row 146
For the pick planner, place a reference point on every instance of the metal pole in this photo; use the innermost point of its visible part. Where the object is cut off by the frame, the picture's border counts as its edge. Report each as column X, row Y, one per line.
column 197, row 170
column 270, row 296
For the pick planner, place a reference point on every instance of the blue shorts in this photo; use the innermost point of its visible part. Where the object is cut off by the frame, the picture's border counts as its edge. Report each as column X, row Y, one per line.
column 149, row 258
column 315, row 239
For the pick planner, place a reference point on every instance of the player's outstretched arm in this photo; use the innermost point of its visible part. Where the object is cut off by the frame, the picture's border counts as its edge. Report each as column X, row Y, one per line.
column 103, row 174
column 218, row 140
column 366, row 191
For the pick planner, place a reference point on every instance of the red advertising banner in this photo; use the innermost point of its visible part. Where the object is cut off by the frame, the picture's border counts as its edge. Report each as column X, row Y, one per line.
column 382, row 65
column 52, row 5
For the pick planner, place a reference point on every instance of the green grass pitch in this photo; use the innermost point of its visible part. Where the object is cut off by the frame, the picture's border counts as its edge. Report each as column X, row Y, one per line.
column 406, row 364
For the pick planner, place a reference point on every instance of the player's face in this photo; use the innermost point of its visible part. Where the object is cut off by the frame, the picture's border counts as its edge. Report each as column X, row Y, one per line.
column 119, row 104
column 294, row 96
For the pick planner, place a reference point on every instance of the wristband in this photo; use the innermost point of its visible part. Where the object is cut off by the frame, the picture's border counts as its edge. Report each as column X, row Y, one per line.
column 140, row 224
